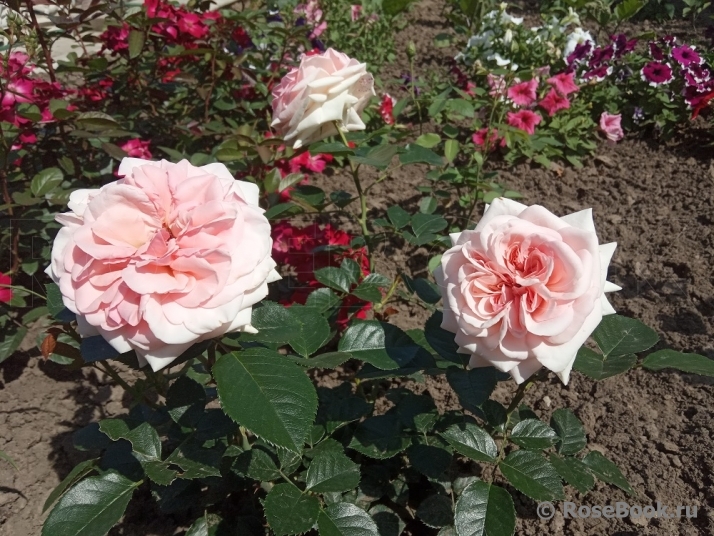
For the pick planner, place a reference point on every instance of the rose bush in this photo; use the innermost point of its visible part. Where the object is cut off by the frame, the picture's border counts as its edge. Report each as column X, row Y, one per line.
column 324, row 90
column 167, row 256
column 525, row 289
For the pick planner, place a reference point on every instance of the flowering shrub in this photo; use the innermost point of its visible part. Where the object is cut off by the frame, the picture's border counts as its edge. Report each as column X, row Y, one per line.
column 175, row 264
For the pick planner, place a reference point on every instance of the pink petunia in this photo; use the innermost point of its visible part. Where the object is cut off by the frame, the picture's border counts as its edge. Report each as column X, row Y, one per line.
column 564, row 83
column 483, row 136
column 496, row 85
column 554, row 102
column 610, row 125
column 524, row 94
column 525, row 120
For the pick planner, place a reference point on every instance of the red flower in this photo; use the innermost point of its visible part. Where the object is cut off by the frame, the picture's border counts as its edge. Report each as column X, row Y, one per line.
column 386, row 108
column 137, row 148
column 481, row 136
column 554, row 102
column 524, row 94
column 116, row 38
column 5, row 293
column 701, row 104
column 306, row 161
column 191, row 24
column 564, row 83
column 524, row 120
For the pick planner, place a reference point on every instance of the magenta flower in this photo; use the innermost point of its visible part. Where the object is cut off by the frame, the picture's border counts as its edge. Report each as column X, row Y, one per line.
column 563, row 83
column 137, row 148
column 192, row 24
column 481, row 136
column 5, row 293
column 599, row 74
column 657, row 73
column 601, row 55
column 524, row 94
column 685, row 55
column 581, row 52
column 656, row 52
column 610, row 125
column 554, row 102
column 622, row 44
column 17, row 91
column 525, row 120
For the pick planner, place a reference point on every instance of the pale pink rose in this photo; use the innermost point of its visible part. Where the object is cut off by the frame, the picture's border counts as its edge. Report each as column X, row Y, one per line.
column 525, row 289
column 165, row 257
column 324, row 89
column 611, row 127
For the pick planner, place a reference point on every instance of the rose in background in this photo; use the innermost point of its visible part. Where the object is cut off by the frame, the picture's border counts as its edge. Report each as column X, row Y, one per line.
column 5, row 292
column 525, row 289
column 167, row 256
column 323, row 90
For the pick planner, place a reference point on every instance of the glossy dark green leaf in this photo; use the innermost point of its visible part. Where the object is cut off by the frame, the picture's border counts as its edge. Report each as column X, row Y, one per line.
column 259, row 463
column 383, row 345
column 416, row 154
column 425, row 289
column 55, row 304
column 618, row 336
column 531, row 474
column 690, row 363
column 607, row 471
column 484, row 509
column 379, row 437
column 313, row 330
column 289, row 511
column 370, row 288
column 574, row 472
column 186, row 401
column 12, row 342
column 268, row 394
column 136, row 43
column 471, row 441
column 378, row 157
column 473, row 387
column 345, row 519
column 443, row 341
column 533, row 434
column 46, row 181
column 274, row 323
column 436, row 511
column 430, row 460
column 335, row 278
column 398, row 216
column 323, row 299
column 426, row 224
column 91, row 507
column 598, row 366
column 331, row 469
column 96, row 348
column 79, row 471
column 570, row 431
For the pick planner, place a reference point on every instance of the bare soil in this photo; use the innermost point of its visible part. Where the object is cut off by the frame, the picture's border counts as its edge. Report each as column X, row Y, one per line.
column 656, row 201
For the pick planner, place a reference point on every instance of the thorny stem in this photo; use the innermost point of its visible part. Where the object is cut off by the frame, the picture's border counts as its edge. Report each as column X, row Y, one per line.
column 412, row 90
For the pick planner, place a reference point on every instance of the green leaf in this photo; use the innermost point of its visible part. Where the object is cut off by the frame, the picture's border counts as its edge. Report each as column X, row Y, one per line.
column 691, row 363
column 570, row 431
column 379, row 437
column 313, row 330
column 206, row 525
column 618, row 335
column 56, row 305
column 275, row 323
column 345, row 519
column 425, row 289
column 329, row 360
column 323, row 299
column 628, row 9
column 335, row 278
column 369, row 288
column 289, row 511
column 533, row 434
column 91, row 507
column 45, row 181
column 392, row 8
column 136, row 43
column 271, row 183
column 335, row 148
column 195, row 460
column 290, row 180
column 533, row 475
column 430, row 460
column 485, row 510
column 451, row 149
column 443, row 341
column 428, row 140
column 598, row 366
column 423, row 224
column 607, row 471
column 378, row 157
column 383, row 345
column 186, row 401
column 353, row 270
column 428, row 205
column 398, row 216
column 331, row 470
column 258, row 463
column 435, row 511
column 471, row 441
column 268, row 394
column 79, row 471
column 416, row 154
column 574, row 472
column 96, row 121
column 473, row 387
column 11, row 343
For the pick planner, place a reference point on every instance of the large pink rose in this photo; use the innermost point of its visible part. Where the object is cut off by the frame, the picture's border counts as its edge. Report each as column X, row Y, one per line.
column 525, row 289
column 167, row 256
column 324, row 89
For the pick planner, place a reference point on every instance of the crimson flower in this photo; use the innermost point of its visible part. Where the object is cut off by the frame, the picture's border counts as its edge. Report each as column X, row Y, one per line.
column 554, row 102
column 5, row 293
column 564, row 83
column 524, row 94
column 657, row 73
column 386, row 108
column 525, row 120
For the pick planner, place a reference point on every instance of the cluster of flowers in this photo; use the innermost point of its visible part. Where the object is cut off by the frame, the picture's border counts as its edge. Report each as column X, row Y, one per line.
column 311, row 248
column 19, row 86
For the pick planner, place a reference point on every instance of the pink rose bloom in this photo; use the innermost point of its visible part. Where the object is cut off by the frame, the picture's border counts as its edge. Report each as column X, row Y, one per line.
column 525, row 289
column 5, row 293
column 554, row 102
column 355, row 12
column 324, row 90
column 192, row 24
column 165, row 257
column 610, row 126
column 524, row 94
column 17, row 91
column 524, row 120
column 137, row 148
column 564, row 83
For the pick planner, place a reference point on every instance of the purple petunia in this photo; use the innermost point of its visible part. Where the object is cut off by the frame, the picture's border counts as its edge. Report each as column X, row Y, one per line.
column 598, row 73
column 657, row 73
column 686, row 55
column 655, row 51
column 668, row 40
column 581, row 52
column 695, row 74
column 601, row 55
column 622, row 44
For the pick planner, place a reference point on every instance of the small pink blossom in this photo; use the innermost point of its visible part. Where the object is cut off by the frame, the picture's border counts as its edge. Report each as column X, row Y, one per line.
column 191, row 24
column 554, row 102
column 355, row 12
column 564, row 83
column 611, row 127
column 524, row 94
column 525, row 120
column 5, row 293
column 497, row 85
column 481, row 136
column 137, row 148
